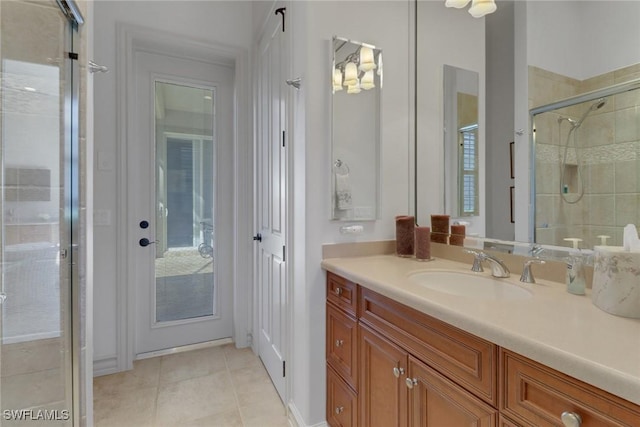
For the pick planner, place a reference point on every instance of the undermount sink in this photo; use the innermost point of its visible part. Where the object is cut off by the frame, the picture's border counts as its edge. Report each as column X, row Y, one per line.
column 471, row 285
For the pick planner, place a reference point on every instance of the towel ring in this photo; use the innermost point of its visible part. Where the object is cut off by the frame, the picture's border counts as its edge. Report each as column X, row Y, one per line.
column 340, row 167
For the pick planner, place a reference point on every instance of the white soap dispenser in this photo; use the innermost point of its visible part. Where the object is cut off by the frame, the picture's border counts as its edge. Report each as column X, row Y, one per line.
column 576, row 283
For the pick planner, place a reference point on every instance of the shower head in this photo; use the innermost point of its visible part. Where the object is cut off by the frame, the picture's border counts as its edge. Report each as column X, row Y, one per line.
column 598, row 104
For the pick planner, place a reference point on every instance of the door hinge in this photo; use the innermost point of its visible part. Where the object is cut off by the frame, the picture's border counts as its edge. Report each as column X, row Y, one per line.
column 282, row 11
column 284, row 368
column 283, row 138
column 73, row 55
column 284, row 254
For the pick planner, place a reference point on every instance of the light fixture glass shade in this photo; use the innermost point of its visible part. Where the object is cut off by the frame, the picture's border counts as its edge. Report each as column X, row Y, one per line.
column 458, row 4
column 366, row 59
column 350, row 74
column 337, row 79
column 480, row 8
column 355, row 88
column 366, row 82
column 379, row 71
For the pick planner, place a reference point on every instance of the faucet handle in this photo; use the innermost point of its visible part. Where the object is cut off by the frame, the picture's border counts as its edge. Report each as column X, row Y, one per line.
column 527, row 273
column 477, row 260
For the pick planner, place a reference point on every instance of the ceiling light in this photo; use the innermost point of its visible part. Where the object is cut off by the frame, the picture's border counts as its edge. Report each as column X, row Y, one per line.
column 208, row 97
column 480, row 8
column 30, row 89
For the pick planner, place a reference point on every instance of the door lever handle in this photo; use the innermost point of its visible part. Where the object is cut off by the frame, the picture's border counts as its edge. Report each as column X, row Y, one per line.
column 146, row 242
column 258, row 237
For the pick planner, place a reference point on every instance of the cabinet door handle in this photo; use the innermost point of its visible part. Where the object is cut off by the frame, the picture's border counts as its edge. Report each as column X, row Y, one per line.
column 338, row 291
column 397, row 371
column 339, row 409
column 411, row 382
column 339, row 343
column 571, row 419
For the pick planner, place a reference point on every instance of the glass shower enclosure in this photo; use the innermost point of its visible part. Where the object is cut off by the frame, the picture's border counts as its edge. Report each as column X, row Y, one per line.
column 39, row 213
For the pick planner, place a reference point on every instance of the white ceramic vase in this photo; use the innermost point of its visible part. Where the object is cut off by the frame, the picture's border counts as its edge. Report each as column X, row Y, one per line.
column 616, row 281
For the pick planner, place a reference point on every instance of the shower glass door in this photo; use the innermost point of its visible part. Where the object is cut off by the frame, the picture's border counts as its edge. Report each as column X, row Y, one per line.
column 35, row 215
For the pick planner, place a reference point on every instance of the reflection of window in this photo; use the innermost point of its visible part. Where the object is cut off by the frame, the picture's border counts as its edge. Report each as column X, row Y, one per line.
column 468, row 143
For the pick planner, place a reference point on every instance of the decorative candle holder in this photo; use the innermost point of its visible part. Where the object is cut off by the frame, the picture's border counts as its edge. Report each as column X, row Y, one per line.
column 440, row 237
column 440, row 224
column 405, row 238
column 423, row 244
column 457, row 235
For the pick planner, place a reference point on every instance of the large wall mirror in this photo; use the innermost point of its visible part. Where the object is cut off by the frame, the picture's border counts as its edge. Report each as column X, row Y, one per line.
column 355, row 130
column 571, row 169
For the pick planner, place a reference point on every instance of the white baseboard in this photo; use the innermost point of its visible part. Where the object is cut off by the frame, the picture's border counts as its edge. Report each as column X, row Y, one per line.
column 105, row 366
column 296, row 419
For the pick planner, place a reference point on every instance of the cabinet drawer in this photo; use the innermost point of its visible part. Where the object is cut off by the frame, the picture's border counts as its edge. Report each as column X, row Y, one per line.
column 342, row 293
column 342, row 344
column 468, row 360
column 342, row 402
column 537, row 395
column 506, row 422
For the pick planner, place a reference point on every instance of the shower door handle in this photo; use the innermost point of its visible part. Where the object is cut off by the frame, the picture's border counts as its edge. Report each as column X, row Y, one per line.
column 3, row 297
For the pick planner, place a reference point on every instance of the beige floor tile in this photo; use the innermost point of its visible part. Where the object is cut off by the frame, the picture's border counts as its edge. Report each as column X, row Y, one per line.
column 196, row 398
column 192, row 364
column 229, row 418
column 258, row 394
column 213, row 387
column 240, row 358
column 145, row 374
column 32, row 389
column 129, row 408
column 31, row 356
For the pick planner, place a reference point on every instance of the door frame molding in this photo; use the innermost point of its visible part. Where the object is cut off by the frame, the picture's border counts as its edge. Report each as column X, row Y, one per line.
column 132, row 39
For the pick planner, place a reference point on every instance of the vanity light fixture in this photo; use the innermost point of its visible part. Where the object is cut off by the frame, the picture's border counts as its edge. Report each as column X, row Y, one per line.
column 355, row 88
column 478, row 9
column 366, row 82
column 337, row 80
column 357, row 70
column 350, row 74
column 458, row 4
column 366, row 59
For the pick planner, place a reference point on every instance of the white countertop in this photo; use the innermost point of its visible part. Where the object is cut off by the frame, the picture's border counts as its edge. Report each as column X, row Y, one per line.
column 563, row 331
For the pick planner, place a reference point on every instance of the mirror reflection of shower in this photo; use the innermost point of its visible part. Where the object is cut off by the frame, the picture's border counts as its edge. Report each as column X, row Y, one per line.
column 572, row 140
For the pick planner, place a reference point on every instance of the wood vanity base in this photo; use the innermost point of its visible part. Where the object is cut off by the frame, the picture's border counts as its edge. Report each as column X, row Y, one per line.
column 391, row 365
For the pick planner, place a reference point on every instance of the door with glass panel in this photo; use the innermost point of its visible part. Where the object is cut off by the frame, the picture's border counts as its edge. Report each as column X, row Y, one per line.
column 180, row 175
column 38, row 211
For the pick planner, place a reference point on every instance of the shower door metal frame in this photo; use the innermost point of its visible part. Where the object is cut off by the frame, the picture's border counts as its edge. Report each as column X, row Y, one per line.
column 566, row 102
column 71, row 169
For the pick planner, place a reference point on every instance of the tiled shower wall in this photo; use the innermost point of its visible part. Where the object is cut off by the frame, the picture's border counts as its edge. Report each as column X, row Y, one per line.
column 608, row 144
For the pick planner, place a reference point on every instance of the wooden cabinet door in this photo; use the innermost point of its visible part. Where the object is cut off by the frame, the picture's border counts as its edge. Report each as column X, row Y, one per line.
column 435, row 401
column 383, row 391
column 342, row 408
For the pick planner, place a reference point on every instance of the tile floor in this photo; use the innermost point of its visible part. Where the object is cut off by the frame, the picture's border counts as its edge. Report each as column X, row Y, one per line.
column 217, row 386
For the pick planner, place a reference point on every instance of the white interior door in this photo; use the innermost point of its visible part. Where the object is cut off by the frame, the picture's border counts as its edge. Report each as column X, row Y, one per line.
column 271, row 165
column 180, row 171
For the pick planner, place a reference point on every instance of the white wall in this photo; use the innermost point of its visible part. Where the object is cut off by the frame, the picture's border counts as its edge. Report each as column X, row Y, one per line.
column 500, row 118
column 220, row 22
column 386, row 25
column 574, row 38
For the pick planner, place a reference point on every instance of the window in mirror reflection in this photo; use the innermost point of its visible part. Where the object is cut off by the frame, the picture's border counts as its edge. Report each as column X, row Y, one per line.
column 461, row 145
column 468, row 137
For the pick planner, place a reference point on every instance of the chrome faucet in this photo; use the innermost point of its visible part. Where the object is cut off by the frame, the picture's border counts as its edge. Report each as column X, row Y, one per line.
column 498, row 267
column 527, row 274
